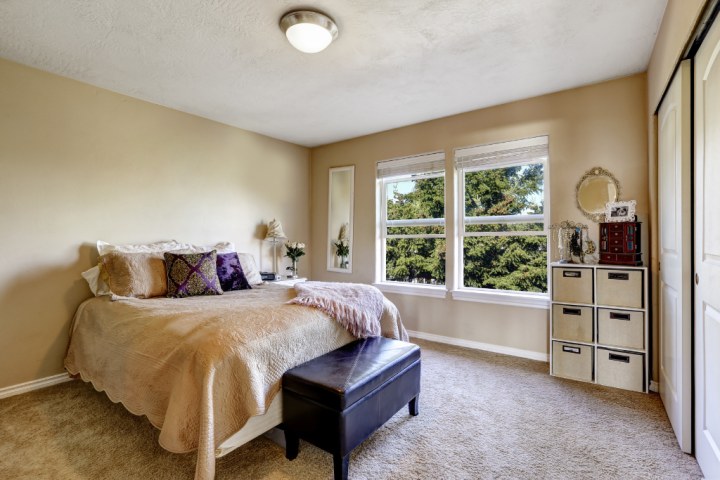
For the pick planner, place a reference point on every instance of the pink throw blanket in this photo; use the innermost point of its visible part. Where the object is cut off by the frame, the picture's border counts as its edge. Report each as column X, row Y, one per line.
column 355, row 306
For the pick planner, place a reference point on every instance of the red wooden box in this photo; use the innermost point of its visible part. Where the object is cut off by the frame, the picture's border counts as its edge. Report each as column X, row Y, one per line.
column 620, row 243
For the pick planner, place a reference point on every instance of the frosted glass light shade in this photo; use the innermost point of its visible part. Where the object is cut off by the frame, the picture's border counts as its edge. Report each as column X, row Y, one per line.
column 309, row 32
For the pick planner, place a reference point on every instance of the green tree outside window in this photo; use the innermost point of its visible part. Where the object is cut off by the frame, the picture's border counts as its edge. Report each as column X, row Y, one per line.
column 508, row 256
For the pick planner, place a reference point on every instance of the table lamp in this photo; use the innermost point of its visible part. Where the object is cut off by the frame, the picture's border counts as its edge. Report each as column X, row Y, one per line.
column 275, row 234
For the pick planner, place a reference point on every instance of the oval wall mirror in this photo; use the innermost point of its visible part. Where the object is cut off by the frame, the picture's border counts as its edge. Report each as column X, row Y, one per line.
column 594, row 190
column 340, row 219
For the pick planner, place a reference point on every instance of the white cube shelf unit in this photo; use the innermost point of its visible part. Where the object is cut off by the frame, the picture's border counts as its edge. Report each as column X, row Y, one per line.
column 599, row 325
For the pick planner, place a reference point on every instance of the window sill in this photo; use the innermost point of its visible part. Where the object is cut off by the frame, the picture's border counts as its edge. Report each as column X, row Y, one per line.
column 435, row 291
column 514, row 299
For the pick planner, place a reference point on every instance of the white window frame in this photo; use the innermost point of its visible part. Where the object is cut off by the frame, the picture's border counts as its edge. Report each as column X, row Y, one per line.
column 487, row 295
column 437, row 291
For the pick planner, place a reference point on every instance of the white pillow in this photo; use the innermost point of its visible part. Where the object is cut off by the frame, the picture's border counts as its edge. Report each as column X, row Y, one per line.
column 252, row 274
column 98, row 286
column 162, row 246
column 221, row 247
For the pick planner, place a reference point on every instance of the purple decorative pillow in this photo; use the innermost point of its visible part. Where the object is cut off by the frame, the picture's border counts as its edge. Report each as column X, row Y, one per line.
column 190, row 274
column 230, row 272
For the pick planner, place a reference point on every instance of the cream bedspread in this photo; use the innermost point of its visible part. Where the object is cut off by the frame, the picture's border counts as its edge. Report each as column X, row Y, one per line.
column 200, row 367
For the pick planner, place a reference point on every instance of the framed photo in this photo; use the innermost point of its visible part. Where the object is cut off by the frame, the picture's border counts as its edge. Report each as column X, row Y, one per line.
column 620, row 211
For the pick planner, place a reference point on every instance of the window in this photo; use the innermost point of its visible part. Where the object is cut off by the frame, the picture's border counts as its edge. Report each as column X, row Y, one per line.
column 412, row 219
column 502, row 240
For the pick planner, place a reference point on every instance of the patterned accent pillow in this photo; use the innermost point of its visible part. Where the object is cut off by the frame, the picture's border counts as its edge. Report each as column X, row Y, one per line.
column 230, row 272
column 140, row 275
column 190, row 274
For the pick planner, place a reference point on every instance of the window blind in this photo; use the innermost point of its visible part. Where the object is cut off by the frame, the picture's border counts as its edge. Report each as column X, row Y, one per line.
column 414, row 165
column 497, row 155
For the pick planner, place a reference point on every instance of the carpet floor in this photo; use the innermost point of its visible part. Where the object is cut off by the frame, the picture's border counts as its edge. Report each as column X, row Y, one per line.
column 482, row 416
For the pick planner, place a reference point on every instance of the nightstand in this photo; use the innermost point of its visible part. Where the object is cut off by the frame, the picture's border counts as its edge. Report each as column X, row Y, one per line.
column 289, row 281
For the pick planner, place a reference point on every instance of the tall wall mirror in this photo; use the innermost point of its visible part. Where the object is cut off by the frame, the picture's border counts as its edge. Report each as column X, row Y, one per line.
column 340, row 219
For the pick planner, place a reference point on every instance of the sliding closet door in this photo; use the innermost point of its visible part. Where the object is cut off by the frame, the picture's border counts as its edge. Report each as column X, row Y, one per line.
column 707, row 254
column 675, row 290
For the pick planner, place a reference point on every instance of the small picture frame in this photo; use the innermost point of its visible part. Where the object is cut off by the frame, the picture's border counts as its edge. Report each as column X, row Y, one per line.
column 620, row 211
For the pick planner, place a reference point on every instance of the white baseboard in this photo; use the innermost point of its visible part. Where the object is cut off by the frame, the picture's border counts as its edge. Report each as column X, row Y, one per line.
column 34, row 385
column 654, row 387
column 488, row 347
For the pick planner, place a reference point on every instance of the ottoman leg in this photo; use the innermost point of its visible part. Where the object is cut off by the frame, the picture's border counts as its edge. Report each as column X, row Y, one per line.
column 413, row 406
column 292, row 445
column 340, row 465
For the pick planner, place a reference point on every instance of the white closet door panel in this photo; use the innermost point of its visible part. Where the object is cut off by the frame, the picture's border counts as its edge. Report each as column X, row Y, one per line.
column 707, row 254
column 675, row 290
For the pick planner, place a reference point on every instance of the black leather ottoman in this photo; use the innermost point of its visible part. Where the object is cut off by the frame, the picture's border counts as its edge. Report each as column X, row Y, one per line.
column 339, row 399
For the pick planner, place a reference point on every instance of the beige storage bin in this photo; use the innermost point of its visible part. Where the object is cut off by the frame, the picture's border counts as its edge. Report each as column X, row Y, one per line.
column 572, row 284
column 571, row 360
column 620, row 287
column 621, row 369
column 571, row 322
column 621, row 328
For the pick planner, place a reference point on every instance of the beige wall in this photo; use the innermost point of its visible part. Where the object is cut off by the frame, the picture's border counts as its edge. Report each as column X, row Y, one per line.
column 599, row 125
column 677, row 24
column 80, row 164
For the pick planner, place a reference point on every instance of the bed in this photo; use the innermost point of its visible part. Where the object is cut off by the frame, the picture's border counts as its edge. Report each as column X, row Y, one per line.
column 205, row 370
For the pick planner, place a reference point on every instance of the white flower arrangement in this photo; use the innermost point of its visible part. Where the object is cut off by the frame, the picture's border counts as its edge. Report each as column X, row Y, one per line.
column 294, row 250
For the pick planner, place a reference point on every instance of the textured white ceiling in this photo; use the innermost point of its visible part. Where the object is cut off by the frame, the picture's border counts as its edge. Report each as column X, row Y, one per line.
column 395, row 62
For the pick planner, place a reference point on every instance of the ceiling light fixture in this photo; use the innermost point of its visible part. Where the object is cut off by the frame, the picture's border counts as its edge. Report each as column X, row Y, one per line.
column 308, row 31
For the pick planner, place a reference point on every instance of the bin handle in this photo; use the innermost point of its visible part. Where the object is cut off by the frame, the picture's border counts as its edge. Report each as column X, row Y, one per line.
column 619, row 358
column 618, row 276
column 572, row 274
